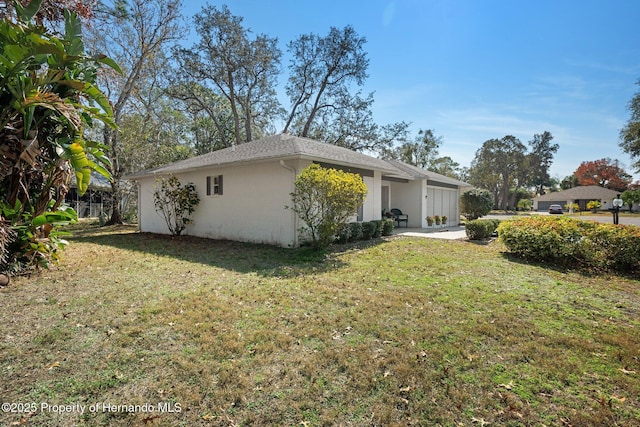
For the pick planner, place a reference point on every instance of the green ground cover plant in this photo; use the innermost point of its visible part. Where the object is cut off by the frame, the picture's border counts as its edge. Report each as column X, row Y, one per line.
column 390, row 331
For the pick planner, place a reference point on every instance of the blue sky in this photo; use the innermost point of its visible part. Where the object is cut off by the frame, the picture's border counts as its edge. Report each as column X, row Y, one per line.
column 474, row 70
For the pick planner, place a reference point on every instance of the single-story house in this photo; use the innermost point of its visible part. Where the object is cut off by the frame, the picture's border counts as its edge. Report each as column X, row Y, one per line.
column 580, row 195
column 244, row 189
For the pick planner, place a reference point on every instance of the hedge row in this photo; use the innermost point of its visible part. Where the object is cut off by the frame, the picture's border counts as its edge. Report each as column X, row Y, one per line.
column 479, row 229
column 569, row 241
column 355, row 231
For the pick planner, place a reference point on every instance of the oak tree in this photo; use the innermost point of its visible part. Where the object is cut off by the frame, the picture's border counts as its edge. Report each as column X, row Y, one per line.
column 321, row 70
column 422, row 152
column 135, row 37
column 212, row 125
column 231, row 64
column 539, row 160
column 498, row 166
column 325, row 73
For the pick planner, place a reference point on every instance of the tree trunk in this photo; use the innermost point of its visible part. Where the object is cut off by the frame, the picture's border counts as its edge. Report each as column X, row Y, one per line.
column 116, row 216
column 111, row 140
column 246, row 106
column 316, row 106
column 234, row 108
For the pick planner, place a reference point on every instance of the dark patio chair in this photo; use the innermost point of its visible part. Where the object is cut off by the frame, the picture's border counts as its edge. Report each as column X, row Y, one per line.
column 399, row 217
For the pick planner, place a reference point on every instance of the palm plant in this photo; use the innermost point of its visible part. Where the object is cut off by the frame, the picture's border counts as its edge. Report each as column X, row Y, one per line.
column 47, row 98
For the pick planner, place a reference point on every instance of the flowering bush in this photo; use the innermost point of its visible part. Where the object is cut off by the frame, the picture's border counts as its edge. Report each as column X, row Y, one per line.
column 612, row 247
column 594, row 205
column 324, row 199
column 572, row 207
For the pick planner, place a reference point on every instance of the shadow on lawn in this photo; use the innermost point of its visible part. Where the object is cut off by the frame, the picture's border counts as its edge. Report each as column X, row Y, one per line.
column 261, row 259
column 571, row 267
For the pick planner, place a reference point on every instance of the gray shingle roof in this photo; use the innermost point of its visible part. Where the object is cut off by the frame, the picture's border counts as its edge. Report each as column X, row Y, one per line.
column 281, row 146
column 587, row 192
column 284, row 146
column 419, row 173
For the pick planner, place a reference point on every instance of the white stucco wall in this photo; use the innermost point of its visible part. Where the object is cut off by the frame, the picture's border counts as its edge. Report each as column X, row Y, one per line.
column 371, row 209
column 251, row 208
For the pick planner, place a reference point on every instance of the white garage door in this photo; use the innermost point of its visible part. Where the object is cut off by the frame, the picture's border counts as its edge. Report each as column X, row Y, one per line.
column 442, row 201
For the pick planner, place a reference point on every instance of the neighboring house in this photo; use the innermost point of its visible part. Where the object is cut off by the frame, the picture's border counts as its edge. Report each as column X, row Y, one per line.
column 244, row 189
column 96, row 200
column 579, row 195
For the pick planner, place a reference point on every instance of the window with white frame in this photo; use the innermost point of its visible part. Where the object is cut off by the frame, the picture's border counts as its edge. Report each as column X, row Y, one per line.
column 214, row 185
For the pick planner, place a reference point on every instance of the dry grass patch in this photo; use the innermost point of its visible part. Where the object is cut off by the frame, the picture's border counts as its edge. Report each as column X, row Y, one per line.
column 400, row 332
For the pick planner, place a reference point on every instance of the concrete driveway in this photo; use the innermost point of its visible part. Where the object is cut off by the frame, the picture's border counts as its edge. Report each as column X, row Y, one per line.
column 450, row 233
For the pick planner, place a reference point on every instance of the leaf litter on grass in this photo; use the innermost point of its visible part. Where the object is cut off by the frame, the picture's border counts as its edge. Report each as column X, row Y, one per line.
column 400, row 332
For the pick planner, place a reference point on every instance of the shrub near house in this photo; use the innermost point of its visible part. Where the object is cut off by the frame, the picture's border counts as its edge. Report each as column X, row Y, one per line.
column 480, row 229
column 175, row 202
column 325, row 199
column 476, row 203
column 594, row 205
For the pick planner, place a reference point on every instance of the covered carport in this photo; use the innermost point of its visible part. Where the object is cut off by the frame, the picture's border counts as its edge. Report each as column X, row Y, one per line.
column 423, row 193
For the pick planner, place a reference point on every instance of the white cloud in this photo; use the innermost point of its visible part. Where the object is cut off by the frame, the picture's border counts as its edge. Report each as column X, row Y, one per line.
column 388, row 14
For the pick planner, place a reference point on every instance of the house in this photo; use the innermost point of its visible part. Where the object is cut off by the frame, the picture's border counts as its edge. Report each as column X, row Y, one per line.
column 244, row 189
column 579, row 195
column 95, row 201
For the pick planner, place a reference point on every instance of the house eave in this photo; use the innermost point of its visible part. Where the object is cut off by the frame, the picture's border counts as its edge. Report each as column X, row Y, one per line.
column 165, row 171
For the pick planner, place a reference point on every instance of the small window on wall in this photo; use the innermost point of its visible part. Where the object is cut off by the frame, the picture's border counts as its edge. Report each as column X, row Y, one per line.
column 214, row 185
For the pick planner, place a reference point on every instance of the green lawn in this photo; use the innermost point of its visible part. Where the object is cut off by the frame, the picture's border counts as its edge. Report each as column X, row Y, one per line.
column 399, row 331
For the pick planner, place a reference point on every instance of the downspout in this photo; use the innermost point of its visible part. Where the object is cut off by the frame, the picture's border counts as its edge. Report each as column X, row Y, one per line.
column 293, row 214
column 139, row 188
